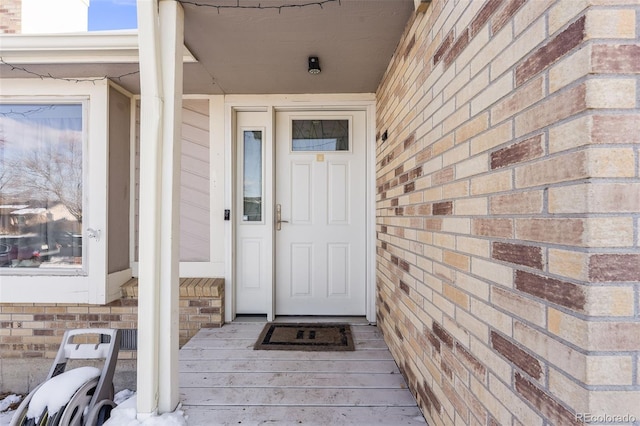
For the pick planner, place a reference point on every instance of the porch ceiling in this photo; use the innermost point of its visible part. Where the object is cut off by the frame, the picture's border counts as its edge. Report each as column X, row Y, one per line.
column 253, row 51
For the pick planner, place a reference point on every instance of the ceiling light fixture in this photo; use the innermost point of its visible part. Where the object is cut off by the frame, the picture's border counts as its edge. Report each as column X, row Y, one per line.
column 314, row 65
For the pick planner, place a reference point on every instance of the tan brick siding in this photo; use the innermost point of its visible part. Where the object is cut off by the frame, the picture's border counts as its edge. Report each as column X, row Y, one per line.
column 35, row 330
column 507, row 209
column 10, row 16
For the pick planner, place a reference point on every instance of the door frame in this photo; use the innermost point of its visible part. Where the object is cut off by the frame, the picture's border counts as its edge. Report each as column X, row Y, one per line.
column 273, row 104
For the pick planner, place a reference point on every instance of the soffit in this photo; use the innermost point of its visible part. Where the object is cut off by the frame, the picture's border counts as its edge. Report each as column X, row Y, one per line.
column 265, row 51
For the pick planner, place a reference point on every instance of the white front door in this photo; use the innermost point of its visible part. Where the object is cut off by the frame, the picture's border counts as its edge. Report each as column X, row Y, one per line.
column 320, row 241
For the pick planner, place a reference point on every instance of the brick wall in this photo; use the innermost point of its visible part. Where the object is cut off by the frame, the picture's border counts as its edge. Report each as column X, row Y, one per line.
column 10, row 16
column 32, row 330
column 29, row 330
column 508, row 208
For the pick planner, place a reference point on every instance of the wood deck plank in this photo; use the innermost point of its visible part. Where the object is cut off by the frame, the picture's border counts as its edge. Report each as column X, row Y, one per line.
column 194, row 354
column 277, row 366
column 251, row 416
column 224, row 381
column 296, row 379
column 298, row 397
column 365, row 332
column 240, row 343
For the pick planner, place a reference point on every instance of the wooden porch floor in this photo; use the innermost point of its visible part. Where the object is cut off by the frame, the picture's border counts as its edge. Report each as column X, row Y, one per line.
column 224, row 381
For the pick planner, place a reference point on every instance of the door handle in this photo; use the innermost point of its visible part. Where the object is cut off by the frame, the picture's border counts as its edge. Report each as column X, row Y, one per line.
column 279, row 220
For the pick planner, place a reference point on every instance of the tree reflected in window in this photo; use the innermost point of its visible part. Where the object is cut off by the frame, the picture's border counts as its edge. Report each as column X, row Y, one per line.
column 41, row 185
column 252, row 176
column 320, row 135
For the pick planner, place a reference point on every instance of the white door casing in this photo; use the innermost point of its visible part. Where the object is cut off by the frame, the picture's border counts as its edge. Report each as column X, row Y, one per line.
column 320, row 255
column 320, row 251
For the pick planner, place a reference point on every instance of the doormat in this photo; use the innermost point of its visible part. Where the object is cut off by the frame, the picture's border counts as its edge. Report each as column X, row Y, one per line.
column 305, row 337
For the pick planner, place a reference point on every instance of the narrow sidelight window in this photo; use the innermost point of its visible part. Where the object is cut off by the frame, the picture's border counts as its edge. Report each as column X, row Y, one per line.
column 252, row 176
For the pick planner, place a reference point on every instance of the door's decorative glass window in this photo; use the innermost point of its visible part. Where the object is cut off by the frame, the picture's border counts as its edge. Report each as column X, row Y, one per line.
column 320, row 135
column 41, row 185
column 252, row 176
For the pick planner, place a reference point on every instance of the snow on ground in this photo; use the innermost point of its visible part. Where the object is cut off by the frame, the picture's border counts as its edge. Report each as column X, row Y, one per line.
column 5, row 418
column 123, row 395
column 123, row 415
column 5, row 415
column 10, row 399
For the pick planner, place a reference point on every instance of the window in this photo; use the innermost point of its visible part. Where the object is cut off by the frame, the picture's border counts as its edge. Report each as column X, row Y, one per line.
column 41, row 185
column 252, row 176
column 320, row 135
column 54, row 163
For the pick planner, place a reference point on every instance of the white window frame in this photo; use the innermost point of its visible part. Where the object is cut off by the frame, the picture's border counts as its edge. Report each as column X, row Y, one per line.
column 89, row 283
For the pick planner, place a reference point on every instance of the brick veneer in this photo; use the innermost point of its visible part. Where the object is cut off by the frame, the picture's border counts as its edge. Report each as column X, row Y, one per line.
column 32, row 330
column 508, row 208
column 10, row 16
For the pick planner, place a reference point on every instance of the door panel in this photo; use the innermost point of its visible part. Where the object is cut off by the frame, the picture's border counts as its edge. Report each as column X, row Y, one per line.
column 338, row 269
column 302, row 274
column 251, row 274
column 320, row 185
column 338, row 194
column 301, row 185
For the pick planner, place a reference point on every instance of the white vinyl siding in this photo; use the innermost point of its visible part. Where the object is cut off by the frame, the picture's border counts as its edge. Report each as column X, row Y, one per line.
column 196, row 223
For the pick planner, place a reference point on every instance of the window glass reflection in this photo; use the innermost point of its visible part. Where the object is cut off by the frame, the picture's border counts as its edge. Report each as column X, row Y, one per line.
column 41, row 186
column 252, row 176
column 320, row 135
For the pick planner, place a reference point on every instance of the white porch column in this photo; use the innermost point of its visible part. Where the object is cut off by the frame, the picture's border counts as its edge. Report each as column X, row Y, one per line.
column 161, row 94
column 151, row 110
column 171, row 42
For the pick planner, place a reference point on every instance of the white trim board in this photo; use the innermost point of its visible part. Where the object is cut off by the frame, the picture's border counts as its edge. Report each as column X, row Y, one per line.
column 272, row 104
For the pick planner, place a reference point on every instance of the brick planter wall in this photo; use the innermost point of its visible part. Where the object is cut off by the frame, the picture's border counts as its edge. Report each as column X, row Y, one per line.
column 508, row 208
